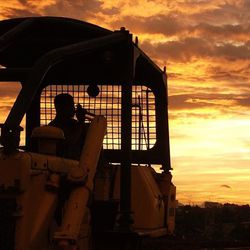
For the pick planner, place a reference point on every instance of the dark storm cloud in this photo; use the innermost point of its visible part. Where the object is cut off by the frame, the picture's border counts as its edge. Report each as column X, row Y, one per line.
column 160, row 24
column 174, row 23
column 236, row 32
column 223, row 21
column 170, row 25
column 223, row 13
column 243, row 101
column 80, row 9
column 232, row 52
column 14, row 13
column 192, row 48
column 77, row 8
column 183, row 50
column 235, row 77
column 111, row 11
column 188, row 101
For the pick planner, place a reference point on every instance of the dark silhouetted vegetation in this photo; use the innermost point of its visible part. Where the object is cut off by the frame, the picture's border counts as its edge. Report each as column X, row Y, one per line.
column 227, row 224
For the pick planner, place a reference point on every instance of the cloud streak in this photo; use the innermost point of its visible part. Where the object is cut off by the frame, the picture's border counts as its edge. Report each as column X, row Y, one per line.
column 192, row 101
column 193, row 48
column 225, row 186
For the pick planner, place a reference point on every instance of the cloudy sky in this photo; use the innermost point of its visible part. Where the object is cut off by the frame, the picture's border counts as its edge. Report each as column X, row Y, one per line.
column 205, row 45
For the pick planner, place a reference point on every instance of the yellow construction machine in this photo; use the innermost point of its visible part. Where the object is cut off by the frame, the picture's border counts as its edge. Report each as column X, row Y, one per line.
column 118, row 193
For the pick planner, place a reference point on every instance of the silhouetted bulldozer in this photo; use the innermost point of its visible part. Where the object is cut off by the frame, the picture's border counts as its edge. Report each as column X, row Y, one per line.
column 111, row 197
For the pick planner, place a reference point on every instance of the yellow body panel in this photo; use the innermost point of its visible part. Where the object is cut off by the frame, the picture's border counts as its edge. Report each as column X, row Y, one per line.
column 147, row 204
column 33, row 181
column 171, row 209
column 27, row 175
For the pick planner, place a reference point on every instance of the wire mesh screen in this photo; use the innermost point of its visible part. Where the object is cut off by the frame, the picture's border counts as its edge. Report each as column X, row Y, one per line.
column 108, row 103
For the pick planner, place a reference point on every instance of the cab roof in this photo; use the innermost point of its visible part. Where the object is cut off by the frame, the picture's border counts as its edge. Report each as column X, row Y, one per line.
column 24, row 40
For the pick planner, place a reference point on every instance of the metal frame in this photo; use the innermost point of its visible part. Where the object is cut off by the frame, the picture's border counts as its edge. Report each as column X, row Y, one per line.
column 135, row 68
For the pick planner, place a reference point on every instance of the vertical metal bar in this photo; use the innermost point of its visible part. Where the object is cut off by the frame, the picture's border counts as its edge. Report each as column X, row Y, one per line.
column 46, row 106
column 147, row 107
column 125, row 221
column 163, row 127
column 112, row 117
column 51, row 103
column 140, row 121
column 119, row 116
column 167, row 167
column 32, row 118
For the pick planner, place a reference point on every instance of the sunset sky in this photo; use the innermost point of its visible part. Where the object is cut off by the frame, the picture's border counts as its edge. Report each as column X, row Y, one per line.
column 205, row 46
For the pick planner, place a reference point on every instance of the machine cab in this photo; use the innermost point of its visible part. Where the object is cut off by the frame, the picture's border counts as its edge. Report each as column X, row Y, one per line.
column 109, row 75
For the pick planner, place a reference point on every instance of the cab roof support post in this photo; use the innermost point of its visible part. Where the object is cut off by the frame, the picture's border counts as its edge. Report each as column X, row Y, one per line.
column 125, row 219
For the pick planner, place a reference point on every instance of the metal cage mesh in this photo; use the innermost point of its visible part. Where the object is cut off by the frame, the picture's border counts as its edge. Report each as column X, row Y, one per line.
column 108, row 103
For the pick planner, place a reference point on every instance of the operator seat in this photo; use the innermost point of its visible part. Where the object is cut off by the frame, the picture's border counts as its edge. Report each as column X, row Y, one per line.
column 47, row 139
